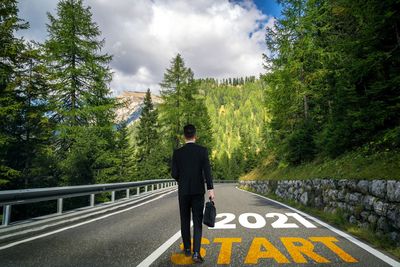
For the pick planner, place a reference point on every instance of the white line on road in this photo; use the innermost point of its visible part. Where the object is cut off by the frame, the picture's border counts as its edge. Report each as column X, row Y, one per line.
column 366, row 247
column 82, row 223
column 95, row 211
column 159, row 251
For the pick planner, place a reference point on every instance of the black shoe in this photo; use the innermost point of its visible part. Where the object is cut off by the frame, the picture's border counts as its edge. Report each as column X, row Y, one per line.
column 197, row 258
column 187, row 252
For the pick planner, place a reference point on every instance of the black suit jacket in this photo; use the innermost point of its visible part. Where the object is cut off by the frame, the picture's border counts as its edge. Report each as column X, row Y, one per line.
column 191, row 168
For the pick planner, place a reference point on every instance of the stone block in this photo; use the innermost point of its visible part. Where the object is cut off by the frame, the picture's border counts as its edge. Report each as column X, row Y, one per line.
column 362, row 186
column 378, row 188
column 393, row 191
column 381, row 208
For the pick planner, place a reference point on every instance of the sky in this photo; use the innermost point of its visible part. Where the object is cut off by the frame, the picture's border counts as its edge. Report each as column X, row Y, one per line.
column 216, row 38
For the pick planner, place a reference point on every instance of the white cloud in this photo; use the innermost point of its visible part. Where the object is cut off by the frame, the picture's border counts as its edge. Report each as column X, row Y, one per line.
column 217, row 38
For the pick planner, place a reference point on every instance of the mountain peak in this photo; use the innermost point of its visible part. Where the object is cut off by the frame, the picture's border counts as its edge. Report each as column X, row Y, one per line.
column 131, row 105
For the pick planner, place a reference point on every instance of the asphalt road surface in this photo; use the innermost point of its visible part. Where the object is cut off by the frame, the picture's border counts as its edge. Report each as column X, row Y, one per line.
column 250, row 231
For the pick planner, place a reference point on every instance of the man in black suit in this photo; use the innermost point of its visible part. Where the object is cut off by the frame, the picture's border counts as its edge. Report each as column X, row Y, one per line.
column 191, row 168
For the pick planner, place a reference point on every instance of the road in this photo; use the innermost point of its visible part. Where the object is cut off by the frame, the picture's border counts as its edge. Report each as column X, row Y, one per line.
column 251, row 231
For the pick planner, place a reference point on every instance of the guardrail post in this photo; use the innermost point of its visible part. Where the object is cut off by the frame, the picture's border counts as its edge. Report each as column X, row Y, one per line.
column 145, row 188
column 158, row 186
column 91, row 200
column 6, row 214
column 59, row 205
column 127, row 193
column 137, row 190
column 152, row 187
column 112, row 196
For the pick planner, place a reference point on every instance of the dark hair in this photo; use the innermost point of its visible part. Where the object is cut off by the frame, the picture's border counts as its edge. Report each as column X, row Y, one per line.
column 189, row 131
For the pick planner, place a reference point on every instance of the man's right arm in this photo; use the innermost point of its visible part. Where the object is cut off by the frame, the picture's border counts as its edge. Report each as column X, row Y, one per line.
column 207, row 171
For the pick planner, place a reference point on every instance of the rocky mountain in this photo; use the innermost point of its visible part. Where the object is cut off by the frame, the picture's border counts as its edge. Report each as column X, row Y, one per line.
column 132, row 105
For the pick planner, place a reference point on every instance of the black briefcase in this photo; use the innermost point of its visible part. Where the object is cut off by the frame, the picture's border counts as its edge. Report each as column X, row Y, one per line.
column 209, row 214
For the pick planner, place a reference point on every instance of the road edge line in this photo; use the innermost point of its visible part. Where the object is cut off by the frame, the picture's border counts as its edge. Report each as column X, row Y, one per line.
column 357, row 242
column 77, row 217
column 81, row 223
column 161, row 249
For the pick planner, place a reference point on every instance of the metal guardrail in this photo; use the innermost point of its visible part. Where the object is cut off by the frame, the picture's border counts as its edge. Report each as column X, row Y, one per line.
column 23, row 196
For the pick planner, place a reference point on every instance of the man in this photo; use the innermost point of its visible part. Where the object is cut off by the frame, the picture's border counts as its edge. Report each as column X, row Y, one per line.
column 190, row 168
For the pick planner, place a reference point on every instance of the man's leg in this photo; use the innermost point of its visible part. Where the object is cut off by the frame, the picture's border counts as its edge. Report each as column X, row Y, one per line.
column 197, row 210
column 184, row 211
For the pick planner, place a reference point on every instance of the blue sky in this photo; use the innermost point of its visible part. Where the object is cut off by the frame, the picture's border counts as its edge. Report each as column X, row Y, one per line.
column 269, row 7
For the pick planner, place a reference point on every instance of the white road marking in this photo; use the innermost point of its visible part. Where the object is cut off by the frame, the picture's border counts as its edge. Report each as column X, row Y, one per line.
column 82, row 223
column 159, row 251
column 100, row 211
column 362, row 245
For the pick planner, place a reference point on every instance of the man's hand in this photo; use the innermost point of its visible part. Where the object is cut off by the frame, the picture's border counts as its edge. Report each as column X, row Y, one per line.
column 211, row 194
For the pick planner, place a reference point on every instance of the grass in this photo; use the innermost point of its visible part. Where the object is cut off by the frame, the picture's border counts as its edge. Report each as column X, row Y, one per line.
column 352, row 165
column 338, row 219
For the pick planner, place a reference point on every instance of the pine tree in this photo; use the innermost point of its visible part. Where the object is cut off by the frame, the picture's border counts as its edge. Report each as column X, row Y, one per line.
column 124, row 155
column 147, row 129
column 183, row 104
column 83, row 106
column 290, row 64
column 24, row 128
column 33, row 150
column 175, row 79
column 148, row 157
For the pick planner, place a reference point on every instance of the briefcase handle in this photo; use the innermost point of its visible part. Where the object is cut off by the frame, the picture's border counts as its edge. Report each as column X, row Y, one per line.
column 211, row 201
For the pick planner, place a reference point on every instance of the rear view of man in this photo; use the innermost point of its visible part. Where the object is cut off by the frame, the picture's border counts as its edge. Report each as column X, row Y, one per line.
column 190, row 168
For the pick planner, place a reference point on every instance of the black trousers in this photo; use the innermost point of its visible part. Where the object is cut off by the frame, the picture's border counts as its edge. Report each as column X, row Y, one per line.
column 196, row 204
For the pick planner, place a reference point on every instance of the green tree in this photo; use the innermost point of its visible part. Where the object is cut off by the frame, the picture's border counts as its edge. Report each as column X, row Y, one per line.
column 25, row 155
column 9, row 106
column 32, row 151
column 83, row 106
column 148, row 157
column 175, row 79
column 125, row 154
column 333, row 69
column 183, row 104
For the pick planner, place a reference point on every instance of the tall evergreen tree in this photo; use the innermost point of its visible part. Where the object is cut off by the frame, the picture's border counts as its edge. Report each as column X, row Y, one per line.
column 33, row 151
column 183, row 104
column 9, row 104
column 124, row 162
column 83, row 106
column 24, row 127
column 175, row 79
column 148, row 155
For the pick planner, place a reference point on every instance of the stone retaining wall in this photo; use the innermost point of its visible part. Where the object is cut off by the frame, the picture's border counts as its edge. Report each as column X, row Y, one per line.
column 371, row 204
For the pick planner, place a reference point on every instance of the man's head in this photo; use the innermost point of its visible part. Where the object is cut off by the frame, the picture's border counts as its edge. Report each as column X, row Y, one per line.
column 189, row 131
